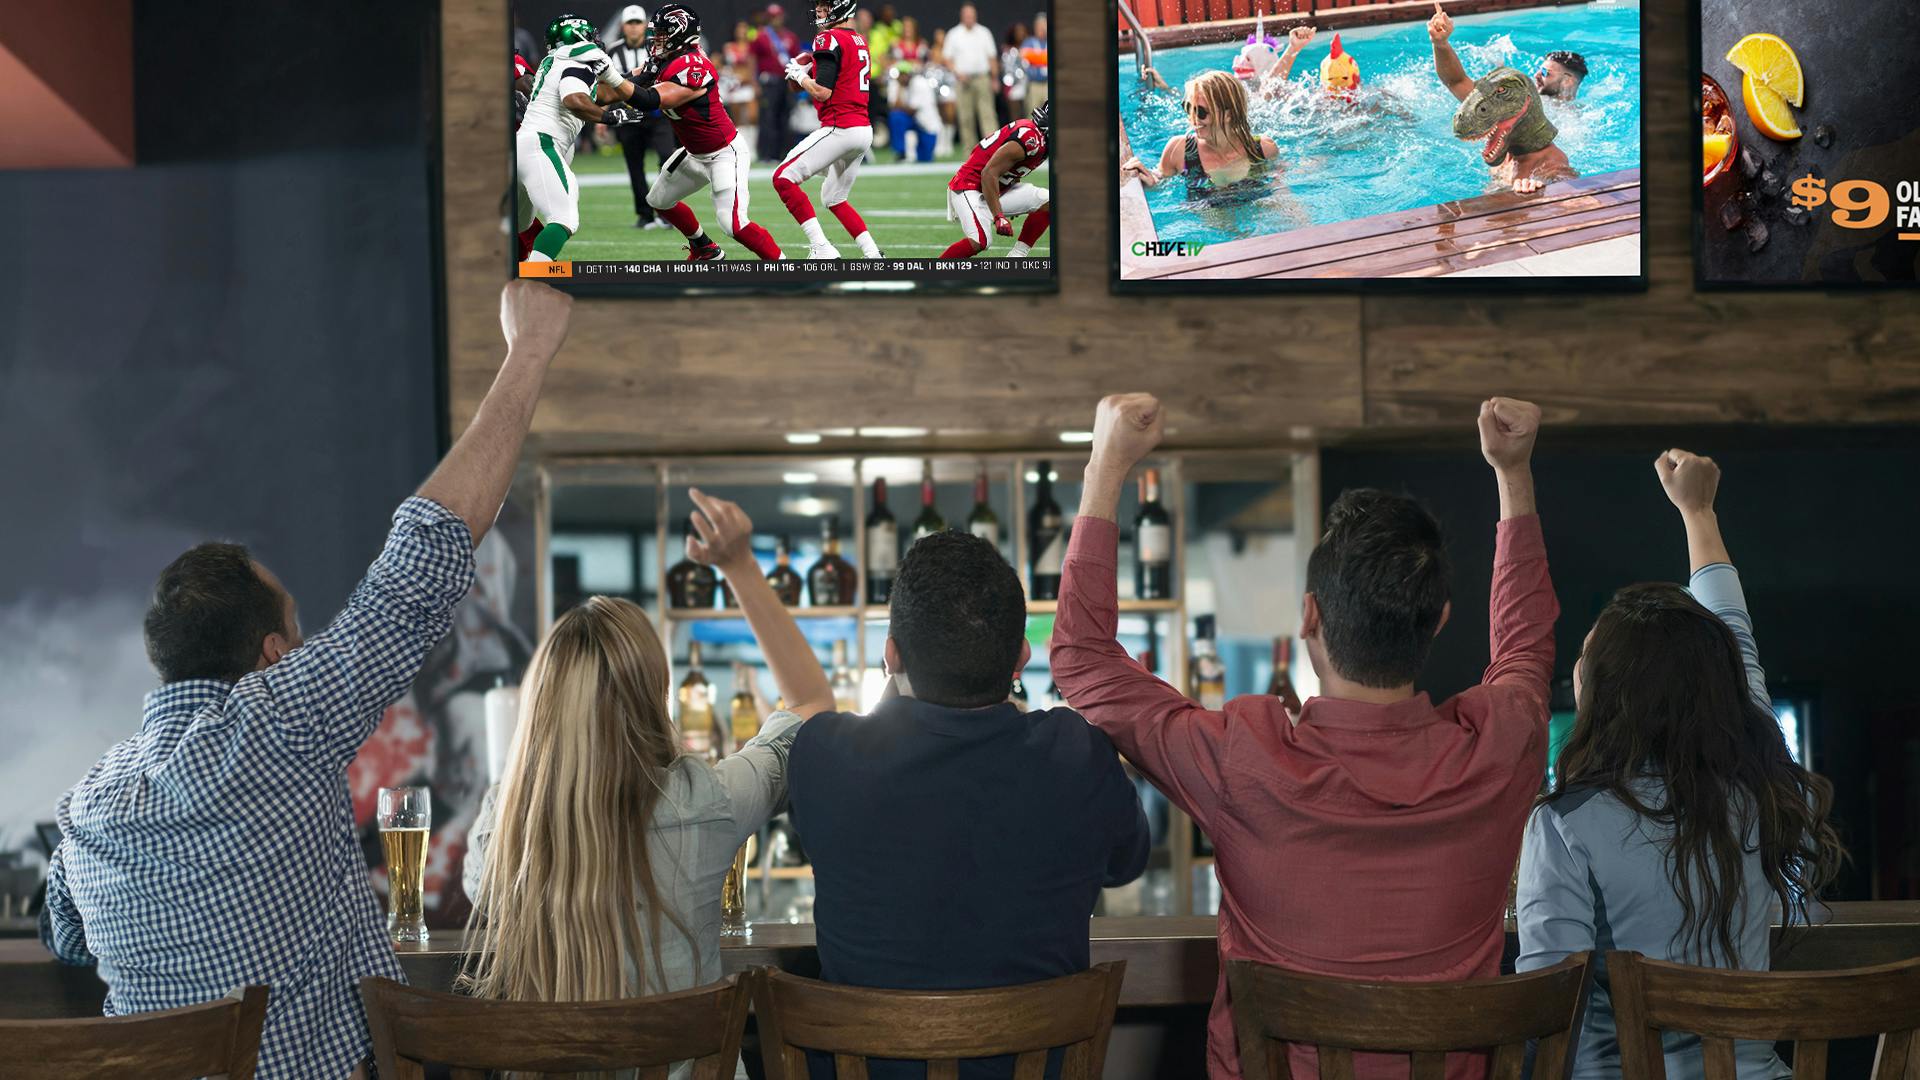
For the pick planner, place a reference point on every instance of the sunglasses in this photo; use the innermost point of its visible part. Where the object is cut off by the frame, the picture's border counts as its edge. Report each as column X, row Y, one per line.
column 1197, row 111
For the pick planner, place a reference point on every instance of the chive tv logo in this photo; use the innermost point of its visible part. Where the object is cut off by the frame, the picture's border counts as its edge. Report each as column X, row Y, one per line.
column 1178, row 249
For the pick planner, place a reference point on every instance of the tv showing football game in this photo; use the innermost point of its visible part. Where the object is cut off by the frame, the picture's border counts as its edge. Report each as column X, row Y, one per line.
column 1810, row 139
column 1271, row 144
column 720, row 146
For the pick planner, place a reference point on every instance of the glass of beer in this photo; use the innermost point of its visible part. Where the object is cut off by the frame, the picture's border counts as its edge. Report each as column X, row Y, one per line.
column 733, row 894
column 405, row 816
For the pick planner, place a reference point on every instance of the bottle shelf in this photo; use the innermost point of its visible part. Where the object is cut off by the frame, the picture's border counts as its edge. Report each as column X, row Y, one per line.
column 844, row 611
column 786, row 873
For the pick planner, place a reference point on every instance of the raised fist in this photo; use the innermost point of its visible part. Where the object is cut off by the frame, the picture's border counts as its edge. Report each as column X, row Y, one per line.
column 1689, row 480
column 1126, row 428
column 1507, row 430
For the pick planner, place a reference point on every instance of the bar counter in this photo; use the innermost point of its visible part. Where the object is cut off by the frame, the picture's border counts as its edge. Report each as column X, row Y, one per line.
column 1171, row 961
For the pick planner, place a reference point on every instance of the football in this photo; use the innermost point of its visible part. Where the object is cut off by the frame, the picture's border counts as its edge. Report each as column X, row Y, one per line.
column 806, row 59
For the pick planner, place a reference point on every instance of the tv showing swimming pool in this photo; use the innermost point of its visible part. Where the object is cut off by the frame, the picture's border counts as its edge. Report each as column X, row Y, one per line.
column 1810, row 165
column 1267, row 144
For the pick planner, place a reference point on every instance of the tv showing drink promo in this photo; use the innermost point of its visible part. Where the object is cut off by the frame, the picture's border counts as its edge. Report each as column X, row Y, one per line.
column 1283, row 143
column 1810, row 132
column 737, row 145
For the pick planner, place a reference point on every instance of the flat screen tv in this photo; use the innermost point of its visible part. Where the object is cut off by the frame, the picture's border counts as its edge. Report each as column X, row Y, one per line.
column 1277, row 144
column 726, row 146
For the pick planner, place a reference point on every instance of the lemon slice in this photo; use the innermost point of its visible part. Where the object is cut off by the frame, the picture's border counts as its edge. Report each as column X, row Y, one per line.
column 1768, row 111
column 1716, row 143
column 1770, row 62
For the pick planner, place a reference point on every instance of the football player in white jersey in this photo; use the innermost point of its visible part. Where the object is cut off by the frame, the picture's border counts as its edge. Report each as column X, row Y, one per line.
column 568, row 88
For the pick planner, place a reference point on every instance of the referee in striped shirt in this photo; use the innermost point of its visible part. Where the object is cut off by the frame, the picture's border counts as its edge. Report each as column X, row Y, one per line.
column 654, row 133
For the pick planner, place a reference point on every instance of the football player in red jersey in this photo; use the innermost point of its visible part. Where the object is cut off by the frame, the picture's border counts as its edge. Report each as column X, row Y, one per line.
column 523, row 86
column 837, row 82
column 712, row 153
column 990, row 190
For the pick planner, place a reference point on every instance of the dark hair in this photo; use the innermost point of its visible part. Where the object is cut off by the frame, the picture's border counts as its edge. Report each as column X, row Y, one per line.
column 1379, row 577
column 1572, row 61
column 959, row 617
column 1664, row 694
column 211, row 609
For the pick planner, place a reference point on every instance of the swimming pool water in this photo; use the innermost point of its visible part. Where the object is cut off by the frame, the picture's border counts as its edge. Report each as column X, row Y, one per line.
column 1394, row 149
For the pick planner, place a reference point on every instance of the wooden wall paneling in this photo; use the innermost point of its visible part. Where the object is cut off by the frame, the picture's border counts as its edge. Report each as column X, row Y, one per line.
column 727, row 375
column 1668, row 355
column 718, row 374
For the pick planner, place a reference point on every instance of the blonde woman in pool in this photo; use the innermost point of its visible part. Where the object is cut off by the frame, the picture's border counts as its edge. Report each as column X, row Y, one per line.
column 1219, row 155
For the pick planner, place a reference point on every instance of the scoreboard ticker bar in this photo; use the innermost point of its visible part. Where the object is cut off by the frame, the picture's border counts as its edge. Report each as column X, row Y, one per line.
column 877, row 272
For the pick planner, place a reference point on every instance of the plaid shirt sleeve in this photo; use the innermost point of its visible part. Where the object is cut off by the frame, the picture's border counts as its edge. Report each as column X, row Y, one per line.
column 326, row 696
column 61, row 930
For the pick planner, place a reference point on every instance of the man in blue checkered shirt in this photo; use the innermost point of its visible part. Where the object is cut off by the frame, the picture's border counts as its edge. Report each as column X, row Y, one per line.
column 216, row 848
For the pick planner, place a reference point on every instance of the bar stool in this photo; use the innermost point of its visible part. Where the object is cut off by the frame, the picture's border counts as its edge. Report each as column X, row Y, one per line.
column 473, row 1037
column 1273, row 1007
column 219, row 1037
column 940, row 1027
column 1652, row 996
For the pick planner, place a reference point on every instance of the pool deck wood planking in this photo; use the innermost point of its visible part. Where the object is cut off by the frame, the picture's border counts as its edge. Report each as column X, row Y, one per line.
column 1427, row 241
column 1173, row 23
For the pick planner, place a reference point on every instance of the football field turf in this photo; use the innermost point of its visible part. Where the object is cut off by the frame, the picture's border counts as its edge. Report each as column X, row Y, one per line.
column 905, row 210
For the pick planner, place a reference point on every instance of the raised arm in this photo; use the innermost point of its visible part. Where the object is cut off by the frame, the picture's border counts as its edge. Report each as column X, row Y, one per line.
column 1446, row 62
column 1297, row 40
column 1165, row 735
column 755, row 776
column 1521, row 605
column 326, row 696
column 1691, row 482
column 723, row 540
column 472, row 479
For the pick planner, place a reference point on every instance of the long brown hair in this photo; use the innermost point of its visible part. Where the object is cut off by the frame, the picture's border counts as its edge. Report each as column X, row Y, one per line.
column 1226, row 99
column 567, row 879
column 1664, row 694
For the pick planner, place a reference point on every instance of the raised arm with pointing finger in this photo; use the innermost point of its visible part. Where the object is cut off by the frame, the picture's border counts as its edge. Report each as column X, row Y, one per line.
column 1446, row 62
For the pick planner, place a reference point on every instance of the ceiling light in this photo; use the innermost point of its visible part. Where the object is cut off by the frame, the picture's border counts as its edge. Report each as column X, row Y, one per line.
column 803, row 438
column 800, row 477
column 1076, row 436
column 893, row 432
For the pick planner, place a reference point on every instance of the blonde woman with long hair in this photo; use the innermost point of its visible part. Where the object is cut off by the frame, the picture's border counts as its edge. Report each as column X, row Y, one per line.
column 1219, row 154
column 595, row 865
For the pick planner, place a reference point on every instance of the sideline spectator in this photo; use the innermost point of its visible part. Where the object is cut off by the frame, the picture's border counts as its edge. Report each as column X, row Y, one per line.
column 774, row 46
column 973, row 56
column 1034, row 52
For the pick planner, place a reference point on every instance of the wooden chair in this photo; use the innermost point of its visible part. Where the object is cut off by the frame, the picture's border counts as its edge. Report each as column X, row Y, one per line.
column 219, row 1038
column 1273, row 1007
column 940, row 1027
column 1652, row 996
column 472, row 1037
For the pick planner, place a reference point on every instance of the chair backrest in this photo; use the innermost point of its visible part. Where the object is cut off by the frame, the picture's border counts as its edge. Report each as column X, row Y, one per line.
column 473, row 1037
column 940, row 1027
column 1808, row 1007
column 217, row 1038
column 1273, row 1007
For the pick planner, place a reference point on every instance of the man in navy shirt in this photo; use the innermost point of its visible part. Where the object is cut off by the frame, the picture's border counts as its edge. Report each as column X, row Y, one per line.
column 957, row 841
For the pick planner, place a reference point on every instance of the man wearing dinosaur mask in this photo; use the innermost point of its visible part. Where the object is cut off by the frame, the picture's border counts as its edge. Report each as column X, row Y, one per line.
column 1503, row 111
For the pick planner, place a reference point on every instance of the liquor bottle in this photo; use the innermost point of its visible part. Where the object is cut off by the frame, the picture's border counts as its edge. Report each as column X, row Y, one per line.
column 689, row 584
column 1281, row 685
column 1152, row 543
column 929, row 521
column 1046, row 538
column 743, row 716
column 785, row 581
column 832, row 580
column 1207, row 680
column 696, row 706
column 846, row 688
column 983, row 522
column 883, row 546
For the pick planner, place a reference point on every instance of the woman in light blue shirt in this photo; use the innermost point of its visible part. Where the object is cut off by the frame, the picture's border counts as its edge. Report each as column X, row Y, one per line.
column 1679, row 823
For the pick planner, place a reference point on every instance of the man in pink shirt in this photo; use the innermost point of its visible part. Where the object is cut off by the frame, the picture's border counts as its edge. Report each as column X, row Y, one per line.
column 1374, row 835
